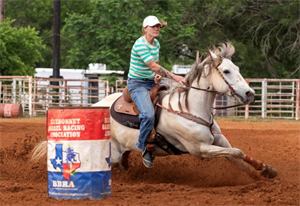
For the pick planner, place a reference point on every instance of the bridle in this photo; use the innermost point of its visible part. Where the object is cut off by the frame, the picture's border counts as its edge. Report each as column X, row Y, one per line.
column 195, row 118
column 224, row 79
column 222, row 76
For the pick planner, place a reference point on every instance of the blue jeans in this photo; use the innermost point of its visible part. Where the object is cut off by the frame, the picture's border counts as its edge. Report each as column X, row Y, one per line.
column 139, row 90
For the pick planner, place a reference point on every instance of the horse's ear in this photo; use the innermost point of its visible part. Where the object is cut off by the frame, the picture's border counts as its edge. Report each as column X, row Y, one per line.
column 212, row 55
column 215, row 59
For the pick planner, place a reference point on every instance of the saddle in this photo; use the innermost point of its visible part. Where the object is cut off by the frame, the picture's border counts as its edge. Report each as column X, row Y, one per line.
column 125, row 112
column 126, row 105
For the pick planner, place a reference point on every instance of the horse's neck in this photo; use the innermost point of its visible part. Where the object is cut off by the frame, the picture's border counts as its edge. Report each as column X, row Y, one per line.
column 201, row 102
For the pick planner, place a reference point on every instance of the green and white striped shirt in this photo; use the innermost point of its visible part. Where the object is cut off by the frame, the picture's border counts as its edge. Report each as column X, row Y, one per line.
column 142, row 52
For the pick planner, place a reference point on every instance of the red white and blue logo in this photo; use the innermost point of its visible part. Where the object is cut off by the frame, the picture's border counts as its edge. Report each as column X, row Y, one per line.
column 66, row 162
column 79, row 169
column 78, row 153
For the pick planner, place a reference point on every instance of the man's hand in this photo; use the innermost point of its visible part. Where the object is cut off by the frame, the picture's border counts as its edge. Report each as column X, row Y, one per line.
column 157, row 79
column 179, row 79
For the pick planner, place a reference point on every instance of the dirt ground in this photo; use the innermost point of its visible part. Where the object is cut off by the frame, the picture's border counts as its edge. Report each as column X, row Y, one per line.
column 175, row 180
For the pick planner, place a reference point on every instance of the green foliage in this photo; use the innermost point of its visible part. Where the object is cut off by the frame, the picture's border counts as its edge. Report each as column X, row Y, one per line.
column 108, row 33
column 19, row 49
column 274, row 33
column 111, row 78
column 265, row 33
column 38, row 14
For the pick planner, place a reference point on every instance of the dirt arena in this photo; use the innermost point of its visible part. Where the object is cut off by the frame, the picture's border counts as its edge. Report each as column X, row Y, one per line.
column 175, row 180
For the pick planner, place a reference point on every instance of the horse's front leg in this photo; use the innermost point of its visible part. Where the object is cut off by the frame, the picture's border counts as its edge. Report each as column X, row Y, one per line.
column 236, row 155
column 221, row 141
column 266, row 170
column 212, row 151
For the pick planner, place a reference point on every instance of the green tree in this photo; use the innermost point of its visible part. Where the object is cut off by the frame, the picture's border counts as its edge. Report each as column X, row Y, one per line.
column 108, row 33
column 38, row 14
column 19, row 49
column 266, row 34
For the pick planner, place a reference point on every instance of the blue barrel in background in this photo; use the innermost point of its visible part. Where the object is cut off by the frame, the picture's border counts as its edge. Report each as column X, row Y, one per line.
column 78, row 158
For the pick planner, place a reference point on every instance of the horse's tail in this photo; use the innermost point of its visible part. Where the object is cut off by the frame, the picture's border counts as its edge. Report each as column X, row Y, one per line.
column 39, row 151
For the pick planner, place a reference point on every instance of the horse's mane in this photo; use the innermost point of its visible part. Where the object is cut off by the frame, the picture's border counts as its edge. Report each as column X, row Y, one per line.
column 225, row 50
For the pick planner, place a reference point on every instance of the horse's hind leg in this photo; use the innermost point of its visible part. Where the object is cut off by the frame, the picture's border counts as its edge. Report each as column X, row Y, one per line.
column 125, row 163
column 119, row 155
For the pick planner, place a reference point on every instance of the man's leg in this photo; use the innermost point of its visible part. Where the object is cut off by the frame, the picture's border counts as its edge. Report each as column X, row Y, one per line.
column 141, row 97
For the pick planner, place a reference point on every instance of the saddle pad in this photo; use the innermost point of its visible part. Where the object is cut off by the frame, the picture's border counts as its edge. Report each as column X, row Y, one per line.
column 124, row 118
column 133, row 121
column 127, row 118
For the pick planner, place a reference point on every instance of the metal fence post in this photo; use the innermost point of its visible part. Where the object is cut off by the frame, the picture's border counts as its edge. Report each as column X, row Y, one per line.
column 30, row 95
column 14, row 91
column 47, row 95
column 297, row 98
column 107, row 89
column 59, row 93
column 20, row 92
column 263, row 98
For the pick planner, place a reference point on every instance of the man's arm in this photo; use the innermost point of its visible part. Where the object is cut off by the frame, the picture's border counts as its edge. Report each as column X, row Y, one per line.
column 163, row 72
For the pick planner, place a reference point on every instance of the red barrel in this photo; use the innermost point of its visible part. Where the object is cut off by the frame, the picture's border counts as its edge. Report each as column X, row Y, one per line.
column 78, row 152
column 11, row 110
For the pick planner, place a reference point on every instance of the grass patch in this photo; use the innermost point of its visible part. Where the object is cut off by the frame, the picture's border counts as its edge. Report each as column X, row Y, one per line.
column 254, row 119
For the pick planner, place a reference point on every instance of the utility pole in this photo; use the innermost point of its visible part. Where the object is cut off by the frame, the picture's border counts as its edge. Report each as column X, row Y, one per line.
column 2, row 10
column 56, row 48
column 56, row 38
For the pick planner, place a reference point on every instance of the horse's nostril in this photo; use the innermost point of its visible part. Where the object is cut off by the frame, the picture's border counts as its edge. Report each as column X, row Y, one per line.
column 249, row 94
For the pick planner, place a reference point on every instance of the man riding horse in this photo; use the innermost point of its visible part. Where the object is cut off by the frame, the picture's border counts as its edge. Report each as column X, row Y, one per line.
column 144, row 73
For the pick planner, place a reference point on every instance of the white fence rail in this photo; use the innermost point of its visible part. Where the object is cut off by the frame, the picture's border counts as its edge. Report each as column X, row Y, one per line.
column 36, row 95
column 274, row 98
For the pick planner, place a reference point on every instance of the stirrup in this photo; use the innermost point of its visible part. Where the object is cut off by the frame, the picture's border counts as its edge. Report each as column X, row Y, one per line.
column 147, row 159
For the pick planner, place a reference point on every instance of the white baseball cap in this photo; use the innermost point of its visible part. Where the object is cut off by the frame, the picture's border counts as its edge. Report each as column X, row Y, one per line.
column 150, row 21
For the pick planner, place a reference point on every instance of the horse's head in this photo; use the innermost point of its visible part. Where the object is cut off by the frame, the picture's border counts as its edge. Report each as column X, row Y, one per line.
column 226, row 77
column 216, row 73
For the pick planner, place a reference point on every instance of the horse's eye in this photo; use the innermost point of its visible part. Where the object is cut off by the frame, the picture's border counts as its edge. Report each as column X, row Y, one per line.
column 226, row 71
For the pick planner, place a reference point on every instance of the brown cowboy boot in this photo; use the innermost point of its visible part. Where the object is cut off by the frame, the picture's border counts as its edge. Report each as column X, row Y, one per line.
column 148, row 154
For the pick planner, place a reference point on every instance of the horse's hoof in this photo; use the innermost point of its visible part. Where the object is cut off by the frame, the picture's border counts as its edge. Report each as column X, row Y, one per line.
column 255, row 175
column 269, row 172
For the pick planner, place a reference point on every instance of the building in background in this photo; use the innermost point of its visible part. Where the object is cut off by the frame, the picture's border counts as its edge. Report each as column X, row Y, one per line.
column 94, row 71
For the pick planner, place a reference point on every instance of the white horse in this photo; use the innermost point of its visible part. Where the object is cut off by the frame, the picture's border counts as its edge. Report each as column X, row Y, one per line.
column 186, row 119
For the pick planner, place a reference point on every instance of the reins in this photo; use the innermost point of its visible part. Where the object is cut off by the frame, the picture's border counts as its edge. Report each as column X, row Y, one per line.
column 192, row 87
column 195, row 118
column 206, row 90
column 189, row 116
